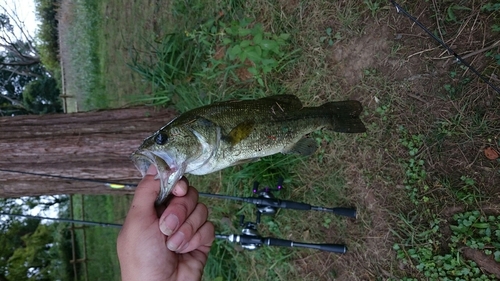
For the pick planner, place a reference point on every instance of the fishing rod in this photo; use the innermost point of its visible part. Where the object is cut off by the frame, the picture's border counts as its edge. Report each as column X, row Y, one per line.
column 93, row 223
column 265, row 202
column 249, row 239
column 458, row 58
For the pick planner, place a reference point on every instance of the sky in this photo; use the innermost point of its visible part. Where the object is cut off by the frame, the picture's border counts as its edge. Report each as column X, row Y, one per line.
column 25, row 10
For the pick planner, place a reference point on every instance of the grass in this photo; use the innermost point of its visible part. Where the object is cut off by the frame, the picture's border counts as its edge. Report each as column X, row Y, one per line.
column 101, row 263
column 416, row 176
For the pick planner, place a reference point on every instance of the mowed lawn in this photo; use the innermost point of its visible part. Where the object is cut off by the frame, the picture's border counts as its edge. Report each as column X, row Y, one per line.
column 423, row 164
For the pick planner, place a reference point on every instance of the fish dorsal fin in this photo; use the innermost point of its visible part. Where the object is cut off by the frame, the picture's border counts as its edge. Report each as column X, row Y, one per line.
column 240, row 132
column 304, row 147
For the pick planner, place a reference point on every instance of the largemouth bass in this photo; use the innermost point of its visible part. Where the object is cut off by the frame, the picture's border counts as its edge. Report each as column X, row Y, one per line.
column 224, row 134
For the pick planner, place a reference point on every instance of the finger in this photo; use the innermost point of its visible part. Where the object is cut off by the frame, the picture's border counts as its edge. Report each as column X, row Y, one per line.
column 145, row 195
column 186, row 231
column 180, row 189
column 205, row 236
column 177, row 211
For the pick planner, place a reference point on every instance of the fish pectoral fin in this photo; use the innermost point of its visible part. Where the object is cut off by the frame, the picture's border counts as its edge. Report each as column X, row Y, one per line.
column 240, row 132
column 304, row 147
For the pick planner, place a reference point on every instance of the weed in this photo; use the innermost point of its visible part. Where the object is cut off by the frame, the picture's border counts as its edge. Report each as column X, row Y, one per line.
column 472, row 229
column 192, row 66
column 262, row 49
column 414, row 167
column 452, row 10
column 373, row 5
column 330, row 38
column 322, row 139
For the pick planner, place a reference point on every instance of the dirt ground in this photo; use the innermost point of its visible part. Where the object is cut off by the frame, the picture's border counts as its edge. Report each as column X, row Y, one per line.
column 457, row 129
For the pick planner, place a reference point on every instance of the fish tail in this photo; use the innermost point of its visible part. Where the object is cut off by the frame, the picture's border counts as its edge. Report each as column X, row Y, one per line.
column 346, row 116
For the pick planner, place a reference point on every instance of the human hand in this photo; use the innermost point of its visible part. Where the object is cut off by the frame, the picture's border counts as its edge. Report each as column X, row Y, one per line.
column 169, row 242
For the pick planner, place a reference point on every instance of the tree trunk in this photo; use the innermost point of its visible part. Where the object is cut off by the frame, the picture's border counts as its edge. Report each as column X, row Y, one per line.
column 90, row 145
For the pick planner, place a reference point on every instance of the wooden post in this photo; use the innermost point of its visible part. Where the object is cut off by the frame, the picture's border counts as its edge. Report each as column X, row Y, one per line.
column 89, row 145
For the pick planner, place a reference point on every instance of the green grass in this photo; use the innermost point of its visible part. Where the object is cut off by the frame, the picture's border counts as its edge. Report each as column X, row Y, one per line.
column 102, row 263
column 82, row 73
column 413, row 176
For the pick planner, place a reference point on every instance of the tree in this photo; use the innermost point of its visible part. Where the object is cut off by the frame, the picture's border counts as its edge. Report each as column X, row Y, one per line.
column 42, row 96
column 19, row 50
column 89, row 145
column 31, row 260
column 11, row 233
column 21, row 59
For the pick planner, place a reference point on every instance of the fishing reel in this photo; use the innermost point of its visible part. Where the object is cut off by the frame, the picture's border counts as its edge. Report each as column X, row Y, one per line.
column 250, row 239
column 267, row 204
column 266, row 193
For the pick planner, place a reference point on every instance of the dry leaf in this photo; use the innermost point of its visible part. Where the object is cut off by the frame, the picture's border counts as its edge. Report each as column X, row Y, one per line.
column 490, row 153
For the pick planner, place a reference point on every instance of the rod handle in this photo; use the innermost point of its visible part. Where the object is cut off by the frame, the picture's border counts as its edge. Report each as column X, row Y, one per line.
column 346, row 212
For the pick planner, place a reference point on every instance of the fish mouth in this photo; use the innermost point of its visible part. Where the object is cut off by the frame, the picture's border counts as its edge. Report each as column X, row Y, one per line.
column 166, row 173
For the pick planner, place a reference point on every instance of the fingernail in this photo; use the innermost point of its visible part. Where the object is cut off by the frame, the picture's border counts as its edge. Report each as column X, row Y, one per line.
column 151, row 170
column 175, row 241
column 168, row 225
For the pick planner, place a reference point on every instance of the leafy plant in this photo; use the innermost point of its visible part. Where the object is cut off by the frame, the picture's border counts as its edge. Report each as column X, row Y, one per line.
column 262, row 49
column 473, row 230
column 194, row 65
column 414, row 167
column 330, row 38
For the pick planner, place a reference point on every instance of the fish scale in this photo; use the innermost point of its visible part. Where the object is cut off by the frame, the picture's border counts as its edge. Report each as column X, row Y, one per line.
column 224, row 134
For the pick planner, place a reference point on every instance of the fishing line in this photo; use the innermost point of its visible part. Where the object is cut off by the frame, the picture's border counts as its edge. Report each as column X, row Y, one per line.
column 458, row 58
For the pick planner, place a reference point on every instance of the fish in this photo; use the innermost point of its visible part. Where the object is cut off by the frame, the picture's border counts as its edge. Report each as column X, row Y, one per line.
column 224, row 134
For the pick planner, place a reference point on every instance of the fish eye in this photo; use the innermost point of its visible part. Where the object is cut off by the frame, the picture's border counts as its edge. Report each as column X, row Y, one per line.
column 161, row 138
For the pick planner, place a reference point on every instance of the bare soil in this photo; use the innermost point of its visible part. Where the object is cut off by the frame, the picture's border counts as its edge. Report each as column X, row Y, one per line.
column 457, row 129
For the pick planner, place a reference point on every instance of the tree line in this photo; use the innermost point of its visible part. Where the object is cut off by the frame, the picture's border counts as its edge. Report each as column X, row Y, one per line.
column 29, row 75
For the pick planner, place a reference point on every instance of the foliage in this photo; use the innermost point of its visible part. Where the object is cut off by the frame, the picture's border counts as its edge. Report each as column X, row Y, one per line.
column 31, row 261
column 47, row 35
column 10, row 239
column 42, row 96
column 414, row 167
column 329, row 37
column 190, row 65
column 263, row 50
column 173, row 75
column 472, row 229
column 20, row 65
column 31, row 250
